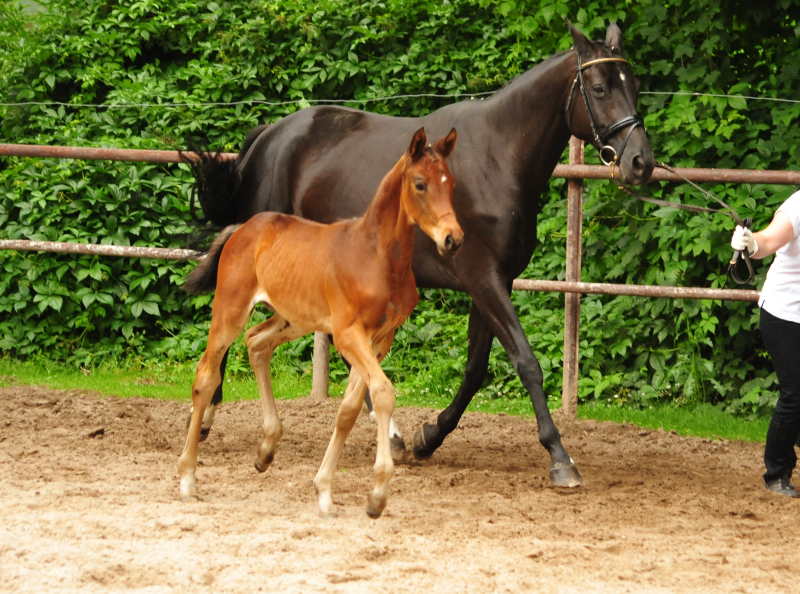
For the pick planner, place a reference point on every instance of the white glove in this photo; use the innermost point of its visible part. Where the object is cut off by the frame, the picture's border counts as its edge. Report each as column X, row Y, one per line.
column 743, row 240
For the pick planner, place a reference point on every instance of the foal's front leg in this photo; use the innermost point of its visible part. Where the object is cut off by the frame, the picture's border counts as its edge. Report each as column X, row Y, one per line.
column 345, row 419
column 355, row 347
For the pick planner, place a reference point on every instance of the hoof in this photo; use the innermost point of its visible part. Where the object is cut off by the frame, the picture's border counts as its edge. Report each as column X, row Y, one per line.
column 398, row 449
column 565, row 475
column 420, row 446
column 190, row 499
column 328, row 516
column 262, row 466
column 373, row 512
column 204, row 434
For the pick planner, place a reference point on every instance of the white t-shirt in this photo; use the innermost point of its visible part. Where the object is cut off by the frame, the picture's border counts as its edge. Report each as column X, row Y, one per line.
column 781, row 293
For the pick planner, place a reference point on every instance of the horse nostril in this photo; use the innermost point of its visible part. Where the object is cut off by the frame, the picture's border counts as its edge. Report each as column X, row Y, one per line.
column 451, row 244
column 638, row 164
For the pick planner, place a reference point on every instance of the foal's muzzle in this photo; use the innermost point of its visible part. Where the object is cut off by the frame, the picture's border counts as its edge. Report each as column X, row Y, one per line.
column 448, row 238
column 450, row 244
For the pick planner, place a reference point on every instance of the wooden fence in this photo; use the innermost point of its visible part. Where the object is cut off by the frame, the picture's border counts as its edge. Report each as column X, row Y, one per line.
column 575, row 171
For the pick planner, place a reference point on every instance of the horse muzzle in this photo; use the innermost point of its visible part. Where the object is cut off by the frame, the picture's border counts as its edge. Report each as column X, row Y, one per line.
column 637, row 162
column 449, row 239
column 637, row 166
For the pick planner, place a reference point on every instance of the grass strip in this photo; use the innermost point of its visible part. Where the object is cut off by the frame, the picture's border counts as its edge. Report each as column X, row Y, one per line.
column 173, row 382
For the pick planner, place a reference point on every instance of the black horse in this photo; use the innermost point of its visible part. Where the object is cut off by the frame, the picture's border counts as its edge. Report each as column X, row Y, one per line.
column 508, row 147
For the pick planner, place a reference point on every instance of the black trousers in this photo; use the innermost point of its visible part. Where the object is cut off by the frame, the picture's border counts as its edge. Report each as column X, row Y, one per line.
column 782, row 339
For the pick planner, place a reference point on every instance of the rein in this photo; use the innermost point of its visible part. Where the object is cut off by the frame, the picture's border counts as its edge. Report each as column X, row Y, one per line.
column 732, row 265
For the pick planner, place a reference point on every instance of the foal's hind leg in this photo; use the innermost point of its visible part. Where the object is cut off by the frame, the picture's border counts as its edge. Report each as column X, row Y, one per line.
column 211, row 411
column 262, row 340
column 224, row 330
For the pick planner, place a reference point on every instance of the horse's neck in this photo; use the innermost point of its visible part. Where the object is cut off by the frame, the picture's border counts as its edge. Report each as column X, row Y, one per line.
column 530, row 112
column 386, row 224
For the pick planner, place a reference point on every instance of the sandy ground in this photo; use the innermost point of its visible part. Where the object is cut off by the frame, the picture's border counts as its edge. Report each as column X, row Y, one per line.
column 89, row 502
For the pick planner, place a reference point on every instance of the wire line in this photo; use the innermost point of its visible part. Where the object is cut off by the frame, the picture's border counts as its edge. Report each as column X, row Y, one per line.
column 367, row 100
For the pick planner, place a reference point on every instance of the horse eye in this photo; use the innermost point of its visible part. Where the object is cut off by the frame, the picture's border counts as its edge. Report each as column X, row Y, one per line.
column 420, row 186
column 599, row 90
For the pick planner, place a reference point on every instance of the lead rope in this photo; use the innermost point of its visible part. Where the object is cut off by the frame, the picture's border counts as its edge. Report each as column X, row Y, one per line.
column 746, row 223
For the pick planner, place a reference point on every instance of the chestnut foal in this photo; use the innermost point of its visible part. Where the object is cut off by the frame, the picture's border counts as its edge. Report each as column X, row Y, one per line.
column 352, row 279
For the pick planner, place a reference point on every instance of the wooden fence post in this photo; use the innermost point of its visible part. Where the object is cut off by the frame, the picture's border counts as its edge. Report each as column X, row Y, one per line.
column 572, row 301
column 321, row 372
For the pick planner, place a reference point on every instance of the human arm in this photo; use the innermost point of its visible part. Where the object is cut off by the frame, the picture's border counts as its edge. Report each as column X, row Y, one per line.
column 763, row 243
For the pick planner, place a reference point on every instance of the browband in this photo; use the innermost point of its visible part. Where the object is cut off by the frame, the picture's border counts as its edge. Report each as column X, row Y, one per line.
column 601, row 60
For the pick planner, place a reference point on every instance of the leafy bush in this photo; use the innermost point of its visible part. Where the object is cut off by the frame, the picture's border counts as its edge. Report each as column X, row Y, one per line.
column 169, row 74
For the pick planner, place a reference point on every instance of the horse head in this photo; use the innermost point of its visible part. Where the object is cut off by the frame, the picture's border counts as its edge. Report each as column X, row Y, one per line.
column 428, row 190
column 601, row 107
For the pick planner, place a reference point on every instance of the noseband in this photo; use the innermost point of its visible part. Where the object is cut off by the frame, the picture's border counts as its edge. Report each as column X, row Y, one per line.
column 608, row 155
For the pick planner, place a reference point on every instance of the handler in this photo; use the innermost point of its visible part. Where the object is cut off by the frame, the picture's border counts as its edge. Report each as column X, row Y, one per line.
column 780, row 328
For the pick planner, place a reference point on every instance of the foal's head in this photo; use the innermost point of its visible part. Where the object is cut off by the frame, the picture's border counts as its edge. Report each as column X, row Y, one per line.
column 428, row 190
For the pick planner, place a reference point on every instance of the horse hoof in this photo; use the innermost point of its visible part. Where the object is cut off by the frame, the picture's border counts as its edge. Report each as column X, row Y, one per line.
column 329, row 516
column 420, row 446
column 190, row 499
column 262, row 466
column 565, row 475
column 374, row 513
column 398, row 449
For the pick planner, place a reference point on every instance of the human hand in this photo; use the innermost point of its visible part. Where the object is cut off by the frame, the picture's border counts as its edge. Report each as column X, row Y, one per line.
column 743, row 240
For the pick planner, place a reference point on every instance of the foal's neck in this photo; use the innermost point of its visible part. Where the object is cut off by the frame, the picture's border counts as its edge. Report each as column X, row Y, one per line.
column 386, row 222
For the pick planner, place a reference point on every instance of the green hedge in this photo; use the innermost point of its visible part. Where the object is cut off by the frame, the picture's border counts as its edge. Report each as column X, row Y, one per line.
column 270, row 58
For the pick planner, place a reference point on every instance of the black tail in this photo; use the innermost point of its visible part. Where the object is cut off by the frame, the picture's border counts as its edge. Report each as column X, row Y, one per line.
column 217, row 180
column 204, row 278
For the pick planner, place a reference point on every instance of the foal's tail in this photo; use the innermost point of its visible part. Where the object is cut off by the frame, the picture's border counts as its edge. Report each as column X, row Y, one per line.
column 204, row 278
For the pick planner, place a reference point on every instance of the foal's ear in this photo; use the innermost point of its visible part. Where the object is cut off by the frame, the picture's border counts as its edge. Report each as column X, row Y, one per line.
column 614, row 38
column 446, row 145
column 582, row 43
column 417, row 147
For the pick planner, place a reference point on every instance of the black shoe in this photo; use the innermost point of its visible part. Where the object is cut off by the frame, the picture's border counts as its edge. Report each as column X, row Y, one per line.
column 782, row 486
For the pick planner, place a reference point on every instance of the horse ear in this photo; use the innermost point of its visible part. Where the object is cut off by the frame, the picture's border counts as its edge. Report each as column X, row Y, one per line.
column 614, row 38
column 582, row 43
column 417, row 147
column 446, row 145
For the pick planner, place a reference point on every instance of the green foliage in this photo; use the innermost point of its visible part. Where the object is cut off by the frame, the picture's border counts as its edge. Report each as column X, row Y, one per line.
column 166, row 73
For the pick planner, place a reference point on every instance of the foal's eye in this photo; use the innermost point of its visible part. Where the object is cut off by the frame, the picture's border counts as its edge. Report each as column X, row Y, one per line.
column 420, row 186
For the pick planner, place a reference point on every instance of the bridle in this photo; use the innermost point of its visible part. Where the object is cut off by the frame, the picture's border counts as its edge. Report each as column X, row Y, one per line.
column 608, row 154
column 610, row 157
